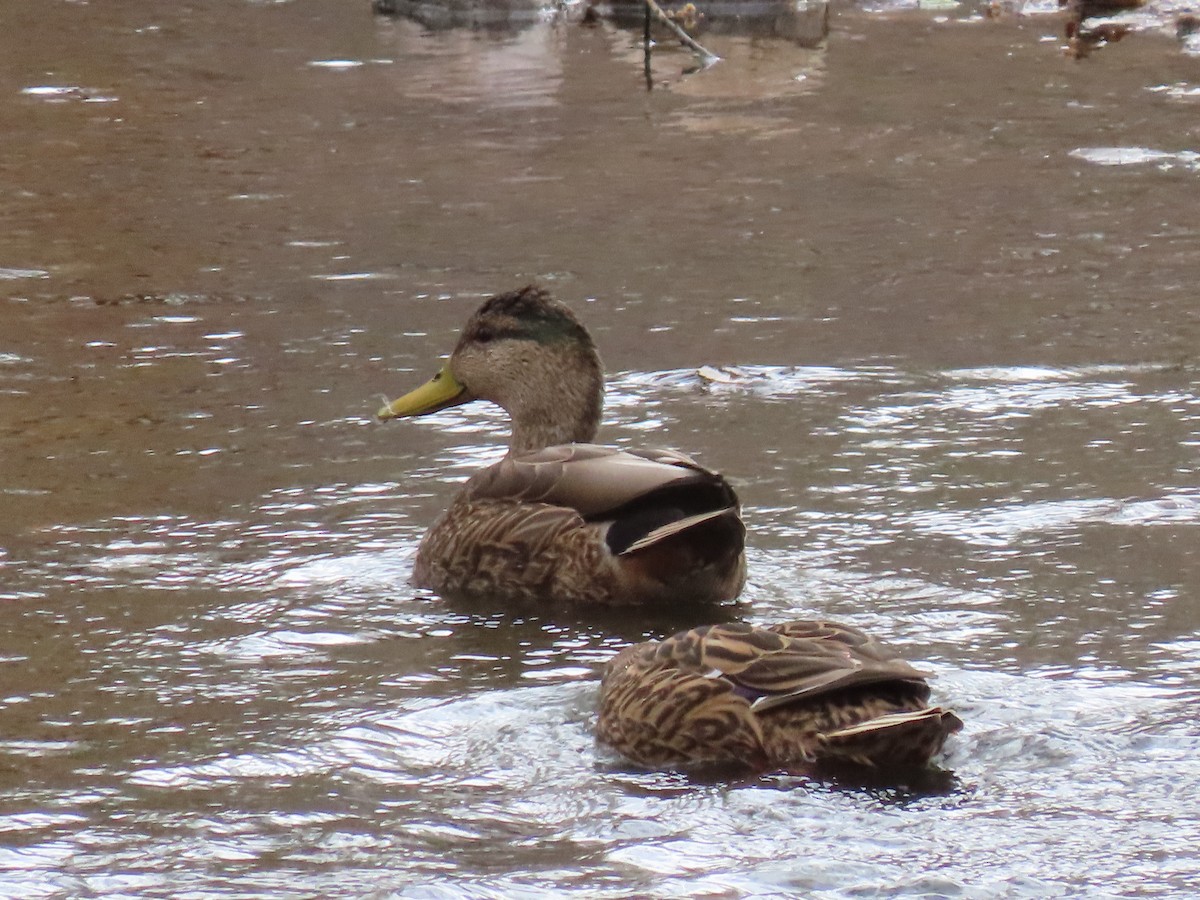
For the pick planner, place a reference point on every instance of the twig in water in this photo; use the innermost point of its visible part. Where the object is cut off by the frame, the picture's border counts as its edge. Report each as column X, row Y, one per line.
column 686, row 39
column 646, row 44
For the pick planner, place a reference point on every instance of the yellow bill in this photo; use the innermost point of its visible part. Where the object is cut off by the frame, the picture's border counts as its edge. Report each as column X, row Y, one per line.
column 439, row 392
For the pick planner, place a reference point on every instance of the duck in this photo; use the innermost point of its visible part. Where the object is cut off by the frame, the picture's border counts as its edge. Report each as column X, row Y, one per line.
column 560, row 519
column 797, row 696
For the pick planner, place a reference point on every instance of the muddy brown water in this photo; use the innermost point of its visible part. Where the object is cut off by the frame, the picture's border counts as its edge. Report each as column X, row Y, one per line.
column 956, row 272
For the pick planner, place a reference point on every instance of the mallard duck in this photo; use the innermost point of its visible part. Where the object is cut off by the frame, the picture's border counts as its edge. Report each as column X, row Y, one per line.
column 797, row 694
column 560, row 519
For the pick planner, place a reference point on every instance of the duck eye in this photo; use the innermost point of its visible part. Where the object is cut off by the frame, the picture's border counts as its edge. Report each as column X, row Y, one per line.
column 485, row 336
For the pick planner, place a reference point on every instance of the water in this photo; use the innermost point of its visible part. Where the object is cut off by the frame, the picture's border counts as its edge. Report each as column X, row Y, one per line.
column 923, row 291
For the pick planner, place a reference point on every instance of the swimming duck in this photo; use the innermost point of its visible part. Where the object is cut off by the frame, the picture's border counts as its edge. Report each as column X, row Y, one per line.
column 794, row 695
column 560, row 519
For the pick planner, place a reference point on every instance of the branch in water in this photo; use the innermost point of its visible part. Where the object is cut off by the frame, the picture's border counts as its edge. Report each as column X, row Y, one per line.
column 688, row 41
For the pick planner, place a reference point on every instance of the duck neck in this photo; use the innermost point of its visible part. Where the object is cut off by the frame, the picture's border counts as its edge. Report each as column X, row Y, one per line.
column 535, row 429
column 564, row 413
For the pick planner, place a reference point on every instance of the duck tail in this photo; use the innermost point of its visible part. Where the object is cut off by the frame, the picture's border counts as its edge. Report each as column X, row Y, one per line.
column 725, row 522
column 899, row 739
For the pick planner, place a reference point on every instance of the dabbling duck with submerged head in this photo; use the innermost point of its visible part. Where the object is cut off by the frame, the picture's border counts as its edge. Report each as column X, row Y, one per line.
column 797, row 696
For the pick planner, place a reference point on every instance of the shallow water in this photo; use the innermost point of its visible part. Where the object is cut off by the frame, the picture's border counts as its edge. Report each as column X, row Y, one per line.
column 925, row 291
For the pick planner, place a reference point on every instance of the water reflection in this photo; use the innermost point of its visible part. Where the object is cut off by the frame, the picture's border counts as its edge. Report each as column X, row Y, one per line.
column 517, row 69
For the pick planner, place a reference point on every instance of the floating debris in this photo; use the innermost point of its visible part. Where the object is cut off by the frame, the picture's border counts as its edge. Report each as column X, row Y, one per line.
column 728, row 375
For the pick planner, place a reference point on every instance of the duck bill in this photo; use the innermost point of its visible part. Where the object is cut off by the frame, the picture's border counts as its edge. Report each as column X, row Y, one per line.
column 439, row 392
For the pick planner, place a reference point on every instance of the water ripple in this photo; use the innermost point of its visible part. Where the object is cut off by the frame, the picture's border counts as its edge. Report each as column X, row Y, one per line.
column 261, row 683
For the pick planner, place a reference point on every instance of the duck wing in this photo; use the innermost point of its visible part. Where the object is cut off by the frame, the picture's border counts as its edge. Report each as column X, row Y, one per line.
column 792, row 661
column 655, row 503
column 596, row 481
